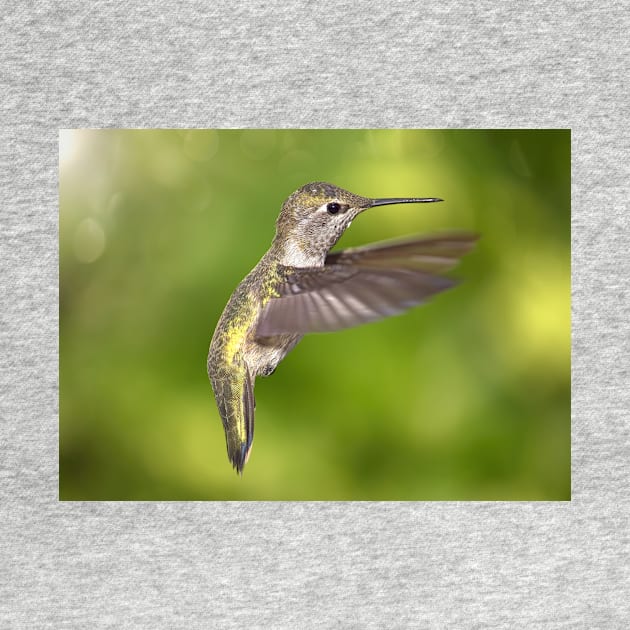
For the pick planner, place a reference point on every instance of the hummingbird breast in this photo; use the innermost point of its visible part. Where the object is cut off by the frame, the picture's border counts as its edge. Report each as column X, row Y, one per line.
column 234, row 343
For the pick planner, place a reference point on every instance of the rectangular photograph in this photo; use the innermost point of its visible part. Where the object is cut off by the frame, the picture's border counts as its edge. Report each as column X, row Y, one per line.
column 354, row 315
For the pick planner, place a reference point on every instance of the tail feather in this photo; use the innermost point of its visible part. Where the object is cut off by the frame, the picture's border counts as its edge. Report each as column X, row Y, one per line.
column 234, row 393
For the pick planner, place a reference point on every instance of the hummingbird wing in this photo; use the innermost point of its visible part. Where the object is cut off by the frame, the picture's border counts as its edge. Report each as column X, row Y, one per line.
column 364, row 284
column 430, row 253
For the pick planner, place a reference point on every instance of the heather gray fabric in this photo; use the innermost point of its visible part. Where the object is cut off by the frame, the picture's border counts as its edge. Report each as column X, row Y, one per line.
column 286, row 565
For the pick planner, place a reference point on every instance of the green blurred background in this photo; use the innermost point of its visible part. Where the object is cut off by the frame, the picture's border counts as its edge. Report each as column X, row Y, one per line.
column 465, row 398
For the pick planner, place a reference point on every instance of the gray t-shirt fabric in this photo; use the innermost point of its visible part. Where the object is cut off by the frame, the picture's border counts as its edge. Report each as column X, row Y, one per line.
column 284, row 565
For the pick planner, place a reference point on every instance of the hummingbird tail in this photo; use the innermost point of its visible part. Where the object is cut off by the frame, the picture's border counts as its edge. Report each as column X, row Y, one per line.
column 235, row 398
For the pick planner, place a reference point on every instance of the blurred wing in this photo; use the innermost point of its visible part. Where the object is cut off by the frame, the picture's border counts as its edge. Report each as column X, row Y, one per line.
column 431, row 254
column 362, row 285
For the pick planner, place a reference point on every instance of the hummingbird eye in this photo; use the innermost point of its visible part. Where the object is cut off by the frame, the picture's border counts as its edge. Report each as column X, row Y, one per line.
column 333, row 207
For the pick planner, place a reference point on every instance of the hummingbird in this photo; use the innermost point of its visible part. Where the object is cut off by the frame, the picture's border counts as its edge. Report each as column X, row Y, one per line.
column 299, row 286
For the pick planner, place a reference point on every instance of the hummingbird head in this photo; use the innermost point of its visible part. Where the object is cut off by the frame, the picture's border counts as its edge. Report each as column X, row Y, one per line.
column 315, row 216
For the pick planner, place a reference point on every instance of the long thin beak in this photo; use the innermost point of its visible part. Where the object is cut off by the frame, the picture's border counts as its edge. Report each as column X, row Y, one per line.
column 393, row 200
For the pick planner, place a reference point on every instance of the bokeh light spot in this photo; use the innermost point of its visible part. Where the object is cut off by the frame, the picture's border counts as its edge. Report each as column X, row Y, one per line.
column 258, row 144
column 69, row 145
column 201, row 146
column 89, row 241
